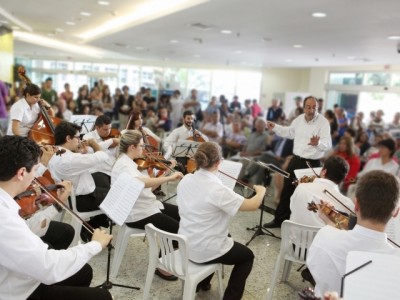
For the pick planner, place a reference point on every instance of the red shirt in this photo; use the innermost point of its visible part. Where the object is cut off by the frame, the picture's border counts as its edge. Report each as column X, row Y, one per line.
column 354, row 163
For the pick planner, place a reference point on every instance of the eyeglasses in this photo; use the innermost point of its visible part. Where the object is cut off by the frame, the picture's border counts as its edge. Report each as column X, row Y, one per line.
column 76, row 137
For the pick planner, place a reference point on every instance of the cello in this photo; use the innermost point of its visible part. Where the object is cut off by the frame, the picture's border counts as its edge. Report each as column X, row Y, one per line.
column 42, row 131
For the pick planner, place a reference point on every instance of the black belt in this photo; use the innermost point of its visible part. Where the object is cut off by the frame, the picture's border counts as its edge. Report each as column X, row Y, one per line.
column 306, row 159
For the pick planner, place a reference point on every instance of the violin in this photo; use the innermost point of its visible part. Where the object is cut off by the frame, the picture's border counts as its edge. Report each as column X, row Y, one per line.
column 341, row 221
column 152, row 161
column 304, row 179
column 42, row 131
column 33, row 199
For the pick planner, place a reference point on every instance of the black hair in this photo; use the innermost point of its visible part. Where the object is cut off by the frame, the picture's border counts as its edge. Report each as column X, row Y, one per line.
column 307, row 98
column 336, row 169
column 17, row 152
column 102, row 120
column 63, row 130
column 32, row 89
column 187, row 113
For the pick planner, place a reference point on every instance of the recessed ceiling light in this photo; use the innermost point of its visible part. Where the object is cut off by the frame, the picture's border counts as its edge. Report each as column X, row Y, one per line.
column 319, row 15
column 4, row 22
column 70, row 23
column 351, row 57
column 288, row 60
column 196, row 55
column 85, row 14
column 139, row 48
column 297, row 46
column 226, row 31
column 59, row 30
column 394, row 37
column 174, row 41
column 15, row 27
column 238, row 52
column 103, row 3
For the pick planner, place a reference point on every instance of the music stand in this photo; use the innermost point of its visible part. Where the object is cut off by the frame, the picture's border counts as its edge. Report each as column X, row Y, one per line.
column 259, row 229
column 86, row 122
column 184, row 148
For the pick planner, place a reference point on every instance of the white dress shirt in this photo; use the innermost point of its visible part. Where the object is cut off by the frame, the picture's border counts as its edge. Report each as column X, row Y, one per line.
column 26, row 261
column 27, row 116
column 391, row 167
column 147, row 204
column 314, row 191
column 206, row 207
column 77, row 168
column 301, row 131
column 326, row 257
column 217, row 128
column 180, row 133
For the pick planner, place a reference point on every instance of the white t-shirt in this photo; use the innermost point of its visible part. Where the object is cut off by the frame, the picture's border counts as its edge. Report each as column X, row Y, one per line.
column 376, row 164
column 206, row 207
column 26, row 115
column 147, row 204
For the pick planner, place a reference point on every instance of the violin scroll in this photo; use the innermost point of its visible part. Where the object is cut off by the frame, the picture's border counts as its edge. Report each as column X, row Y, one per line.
column 304, row 179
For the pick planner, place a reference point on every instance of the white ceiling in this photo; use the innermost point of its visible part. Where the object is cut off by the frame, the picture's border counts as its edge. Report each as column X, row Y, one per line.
column 355, row 32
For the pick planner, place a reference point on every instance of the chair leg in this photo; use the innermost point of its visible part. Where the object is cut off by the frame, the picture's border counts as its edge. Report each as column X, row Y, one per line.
column 149, row 280
column 189, row 289
column 271, row 289
column 220, row 283
column 120, row 248
column 286, row 270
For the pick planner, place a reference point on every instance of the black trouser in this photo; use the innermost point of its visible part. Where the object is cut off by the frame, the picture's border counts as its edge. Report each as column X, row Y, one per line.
column 59, row 235
column 167, row 220
column 282, row 212
column 75, row 287
column 242, row 258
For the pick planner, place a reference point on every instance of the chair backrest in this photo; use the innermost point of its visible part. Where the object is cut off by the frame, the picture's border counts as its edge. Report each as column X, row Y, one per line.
column 296, row 239
column 173, row 261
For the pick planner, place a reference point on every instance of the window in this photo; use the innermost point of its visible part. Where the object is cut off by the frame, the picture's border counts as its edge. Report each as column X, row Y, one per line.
column 223, row 83
column 248, row 85
column 346, row 78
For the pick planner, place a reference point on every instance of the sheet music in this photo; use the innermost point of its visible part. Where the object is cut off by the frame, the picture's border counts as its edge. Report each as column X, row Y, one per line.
column 378, row 280
column 393, row 229
column 231, row 168
column 184, row 147
column 121, row 197
column 85, row 121
column 307, row 172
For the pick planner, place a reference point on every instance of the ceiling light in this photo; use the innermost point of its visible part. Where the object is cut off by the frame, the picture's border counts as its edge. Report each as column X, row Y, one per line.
column 288, row 60
column 238, row 52
column 297, row 46
column 105, row 3
column 4, row 22
column 351, row 57
column 225, row 31
column 138, row 14
column 319, row 15
column 12, row 19
column 59, row 30
column 196, row 55
column 174, row 41
column 70, row 23
column 139, row 48
column 43, row 41
column 85, row 14
column 394, row 37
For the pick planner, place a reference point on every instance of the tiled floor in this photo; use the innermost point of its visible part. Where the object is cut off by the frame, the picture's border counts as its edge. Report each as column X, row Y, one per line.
column 134, row 267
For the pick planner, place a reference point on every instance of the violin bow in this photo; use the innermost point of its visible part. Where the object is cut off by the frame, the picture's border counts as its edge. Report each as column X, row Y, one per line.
column 312, row 169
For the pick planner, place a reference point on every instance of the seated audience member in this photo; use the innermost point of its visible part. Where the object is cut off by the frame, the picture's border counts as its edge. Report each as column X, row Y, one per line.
column 275, row 112
column 362, row 142
column 163, row 123
column 330, row 116
column 29, row 269
column 346, row 151
column 377, row 124
column 377, row 197
column 234, row 141
column 332, row 174
column 213, row 129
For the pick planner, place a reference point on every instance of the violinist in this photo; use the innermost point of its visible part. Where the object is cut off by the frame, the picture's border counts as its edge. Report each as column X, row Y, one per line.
column 29, row 270
column 332, row 174
column 78, row 168
column 206, row 207
column 25, row 112
column 377, row 197
column 147, row 209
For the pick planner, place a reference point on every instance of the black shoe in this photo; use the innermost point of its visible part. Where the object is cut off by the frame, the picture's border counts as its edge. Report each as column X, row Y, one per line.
column 272, row 224
column 306, row 275
column 165, row 277
column 203, row 287
column 86, row 236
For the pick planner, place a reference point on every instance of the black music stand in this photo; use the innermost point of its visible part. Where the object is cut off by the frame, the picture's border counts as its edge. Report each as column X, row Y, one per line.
column 108, row 284
column 259, row 229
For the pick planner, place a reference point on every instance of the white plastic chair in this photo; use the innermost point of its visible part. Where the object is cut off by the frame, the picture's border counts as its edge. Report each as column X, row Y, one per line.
column 76, row 224
column 296, row 239
column 176, row 262
column 120, row 246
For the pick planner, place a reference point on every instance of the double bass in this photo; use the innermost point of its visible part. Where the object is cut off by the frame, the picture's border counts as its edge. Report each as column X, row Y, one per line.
column 42, row 131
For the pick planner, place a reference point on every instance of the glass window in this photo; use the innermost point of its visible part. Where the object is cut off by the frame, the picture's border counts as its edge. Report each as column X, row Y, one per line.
column 248, row 85
column 175, row 79
column 395, row 79
column 151, row 77
column 107, row 68
column 371, row 102
column 346, row 78
column 49, row 64
column 377, row 79
column 129, row 75
column 83, row 66
column 223, row 83
column 65, row 65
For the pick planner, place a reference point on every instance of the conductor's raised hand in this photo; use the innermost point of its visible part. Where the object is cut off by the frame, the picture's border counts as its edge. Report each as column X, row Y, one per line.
column 102, row 237
column 270, row 125
column 314, row 140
